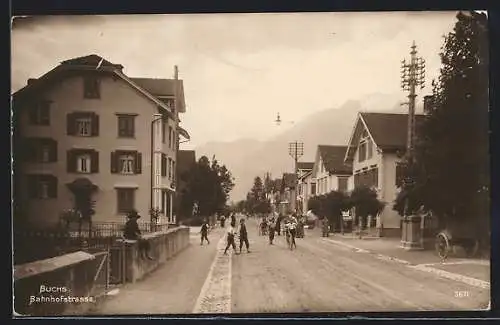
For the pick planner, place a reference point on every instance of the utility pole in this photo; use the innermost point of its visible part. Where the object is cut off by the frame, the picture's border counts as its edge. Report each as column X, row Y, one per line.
column 412, row 76
column 296, row 150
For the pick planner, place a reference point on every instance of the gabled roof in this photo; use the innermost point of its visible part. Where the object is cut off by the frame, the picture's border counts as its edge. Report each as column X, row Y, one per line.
column 305, row 165
column 91, row 62
column 389, row 131
column 163, row 88
column 333, row 159
column 305, row 175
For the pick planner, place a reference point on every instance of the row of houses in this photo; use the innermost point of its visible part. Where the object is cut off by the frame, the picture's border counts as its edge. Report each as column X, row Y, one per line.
column 87, row 122
column 376, row 146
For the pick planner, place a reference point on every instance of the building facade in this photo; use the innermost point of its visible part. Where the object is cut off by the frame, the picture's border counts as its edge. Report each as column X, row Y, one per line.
column 376, row 146
column 86, row 122
column 330, row 172
column 305, row 185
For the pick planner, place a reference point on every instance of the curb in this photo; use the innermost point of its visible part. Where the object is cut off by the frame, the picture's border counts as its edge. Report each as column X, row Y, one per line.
column 424, row 267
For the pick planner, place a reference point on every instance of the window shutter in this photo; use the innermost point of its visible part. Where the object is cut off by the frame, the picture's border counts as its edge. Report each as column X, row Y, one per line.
column 53, row 150
column 52, row 187
column 95, row 125
column 114, row 162
column 94, row 161
column 138, row 162
column 70, row 161
column 70, row 124
column 32, row 183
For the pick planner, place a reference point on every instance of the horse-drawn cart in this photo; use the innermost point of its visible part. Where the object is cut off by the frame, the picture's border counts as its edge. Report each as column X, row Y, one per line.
column 452, row 237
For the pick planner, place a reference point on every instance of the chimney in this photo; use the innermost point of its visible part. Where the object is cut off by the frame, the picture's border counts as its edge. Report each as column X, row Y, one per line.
column 176, row 73
column 428, row 103
column 31, row 80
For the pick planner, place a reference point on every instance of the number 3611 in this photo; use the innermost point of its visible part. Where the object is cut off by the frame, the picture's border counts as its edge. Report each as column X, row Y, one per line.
column 461, row 294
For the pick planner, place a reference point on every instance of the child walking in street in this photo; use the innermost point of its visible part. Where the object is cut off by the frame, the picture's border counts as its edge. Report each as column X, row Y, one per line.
column 231, row 232
column 204, row 232
column 244, row 236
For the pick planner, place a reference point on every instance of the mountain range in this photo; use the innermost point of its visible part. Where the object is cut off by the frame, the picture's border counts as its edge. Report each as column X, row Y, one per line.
column 248, row 158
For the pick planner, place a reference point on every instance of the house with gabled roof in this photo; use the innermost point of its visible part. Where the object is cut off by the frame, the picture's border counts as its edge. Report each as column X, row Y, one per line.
column 330, row 172
column 288, row 193
column 304, row 173
column 376, row 146
column 87, row 122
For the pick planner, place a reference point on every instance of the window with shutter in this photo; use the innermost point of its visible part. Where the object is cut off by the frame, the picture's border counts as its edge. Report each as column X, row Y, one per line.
column 83, row 126
column 53, row 151
column 125, row 198
column 163, row 165
column 169, row 168
column 52, row 193
column 126, row 126
column 126, row 163
column 42, row 186
column 163, row 132
column 138, row 163
column 40, row 113
column 83, row 163
column 170, row 137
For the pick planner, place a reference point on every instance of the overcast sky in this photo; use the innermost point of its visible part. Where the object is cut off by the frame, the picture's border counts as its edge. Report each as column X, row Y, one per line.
column 239, row 70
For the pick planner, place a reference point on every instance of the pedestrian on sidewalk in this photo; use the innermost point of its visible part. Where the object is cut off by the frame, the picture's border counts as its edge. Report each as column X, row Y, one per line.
column 204, row 232
column 231, row 232
column 292, row 228
column 244, row 235
column 278, row 224
column 222, row 221
column 131, row 231
column 272, row 229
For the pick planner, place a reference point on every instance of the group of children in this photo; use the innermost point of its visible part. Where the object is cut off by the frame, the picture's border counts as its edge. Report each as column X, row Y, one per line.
column 232, row 231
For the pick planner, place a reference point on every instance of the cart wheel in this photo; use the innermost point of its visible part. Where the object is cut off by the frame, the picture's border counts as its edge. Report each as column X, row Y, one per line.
column 471, row 250
column 442, row 245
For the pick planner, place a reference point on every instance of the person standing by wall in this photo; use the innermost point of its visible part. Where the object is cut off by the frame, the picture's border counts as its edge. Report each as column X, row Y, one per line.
column 132, row 232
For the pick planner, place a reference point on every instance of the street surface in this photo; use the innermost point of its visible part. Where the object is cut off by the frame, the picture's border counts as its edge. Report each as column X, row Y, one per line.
column 321, row 275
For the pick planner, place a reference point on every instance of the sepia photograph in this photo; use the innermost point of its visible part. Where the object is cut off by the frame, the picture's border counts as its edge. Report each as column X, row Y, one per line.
column 250, row 163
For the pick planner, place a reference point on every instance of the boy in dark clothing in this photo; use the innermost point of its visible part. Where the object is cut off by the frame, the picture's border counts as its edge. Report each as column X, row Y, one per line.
column 132, row 232
column 244, row 236
column 231, row 232
column 204, row 232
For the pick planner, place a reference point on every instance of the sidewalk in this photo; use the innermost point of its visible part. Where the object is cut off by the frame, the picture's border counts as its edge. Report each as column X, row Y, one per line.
column 171, row 289
column 389, row 248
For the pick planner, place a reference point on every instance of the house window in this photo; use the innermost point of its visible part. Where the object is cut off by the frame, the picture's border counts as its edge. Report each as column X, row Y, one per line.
column 173, row 170
column 369, row 148
column 164, row 163
column 125, row 198
column 169, row 168
column 42, row 186
column 126, row 126
column 40, row 114
column 170, row 137
column 83, row 126
column 342, row 184
column 126, row 162
column 163, row 132
column 362, row 151
column 45, row 153
column 83, row 163
column 91, row 87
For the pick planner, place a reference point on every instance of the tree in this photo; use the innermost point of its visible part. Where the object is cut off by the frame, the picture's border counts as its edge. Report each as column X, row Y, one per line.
column 257, row 201
column 208, row 186
column 334, row 203
column 451, row 173
column 366, row 203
